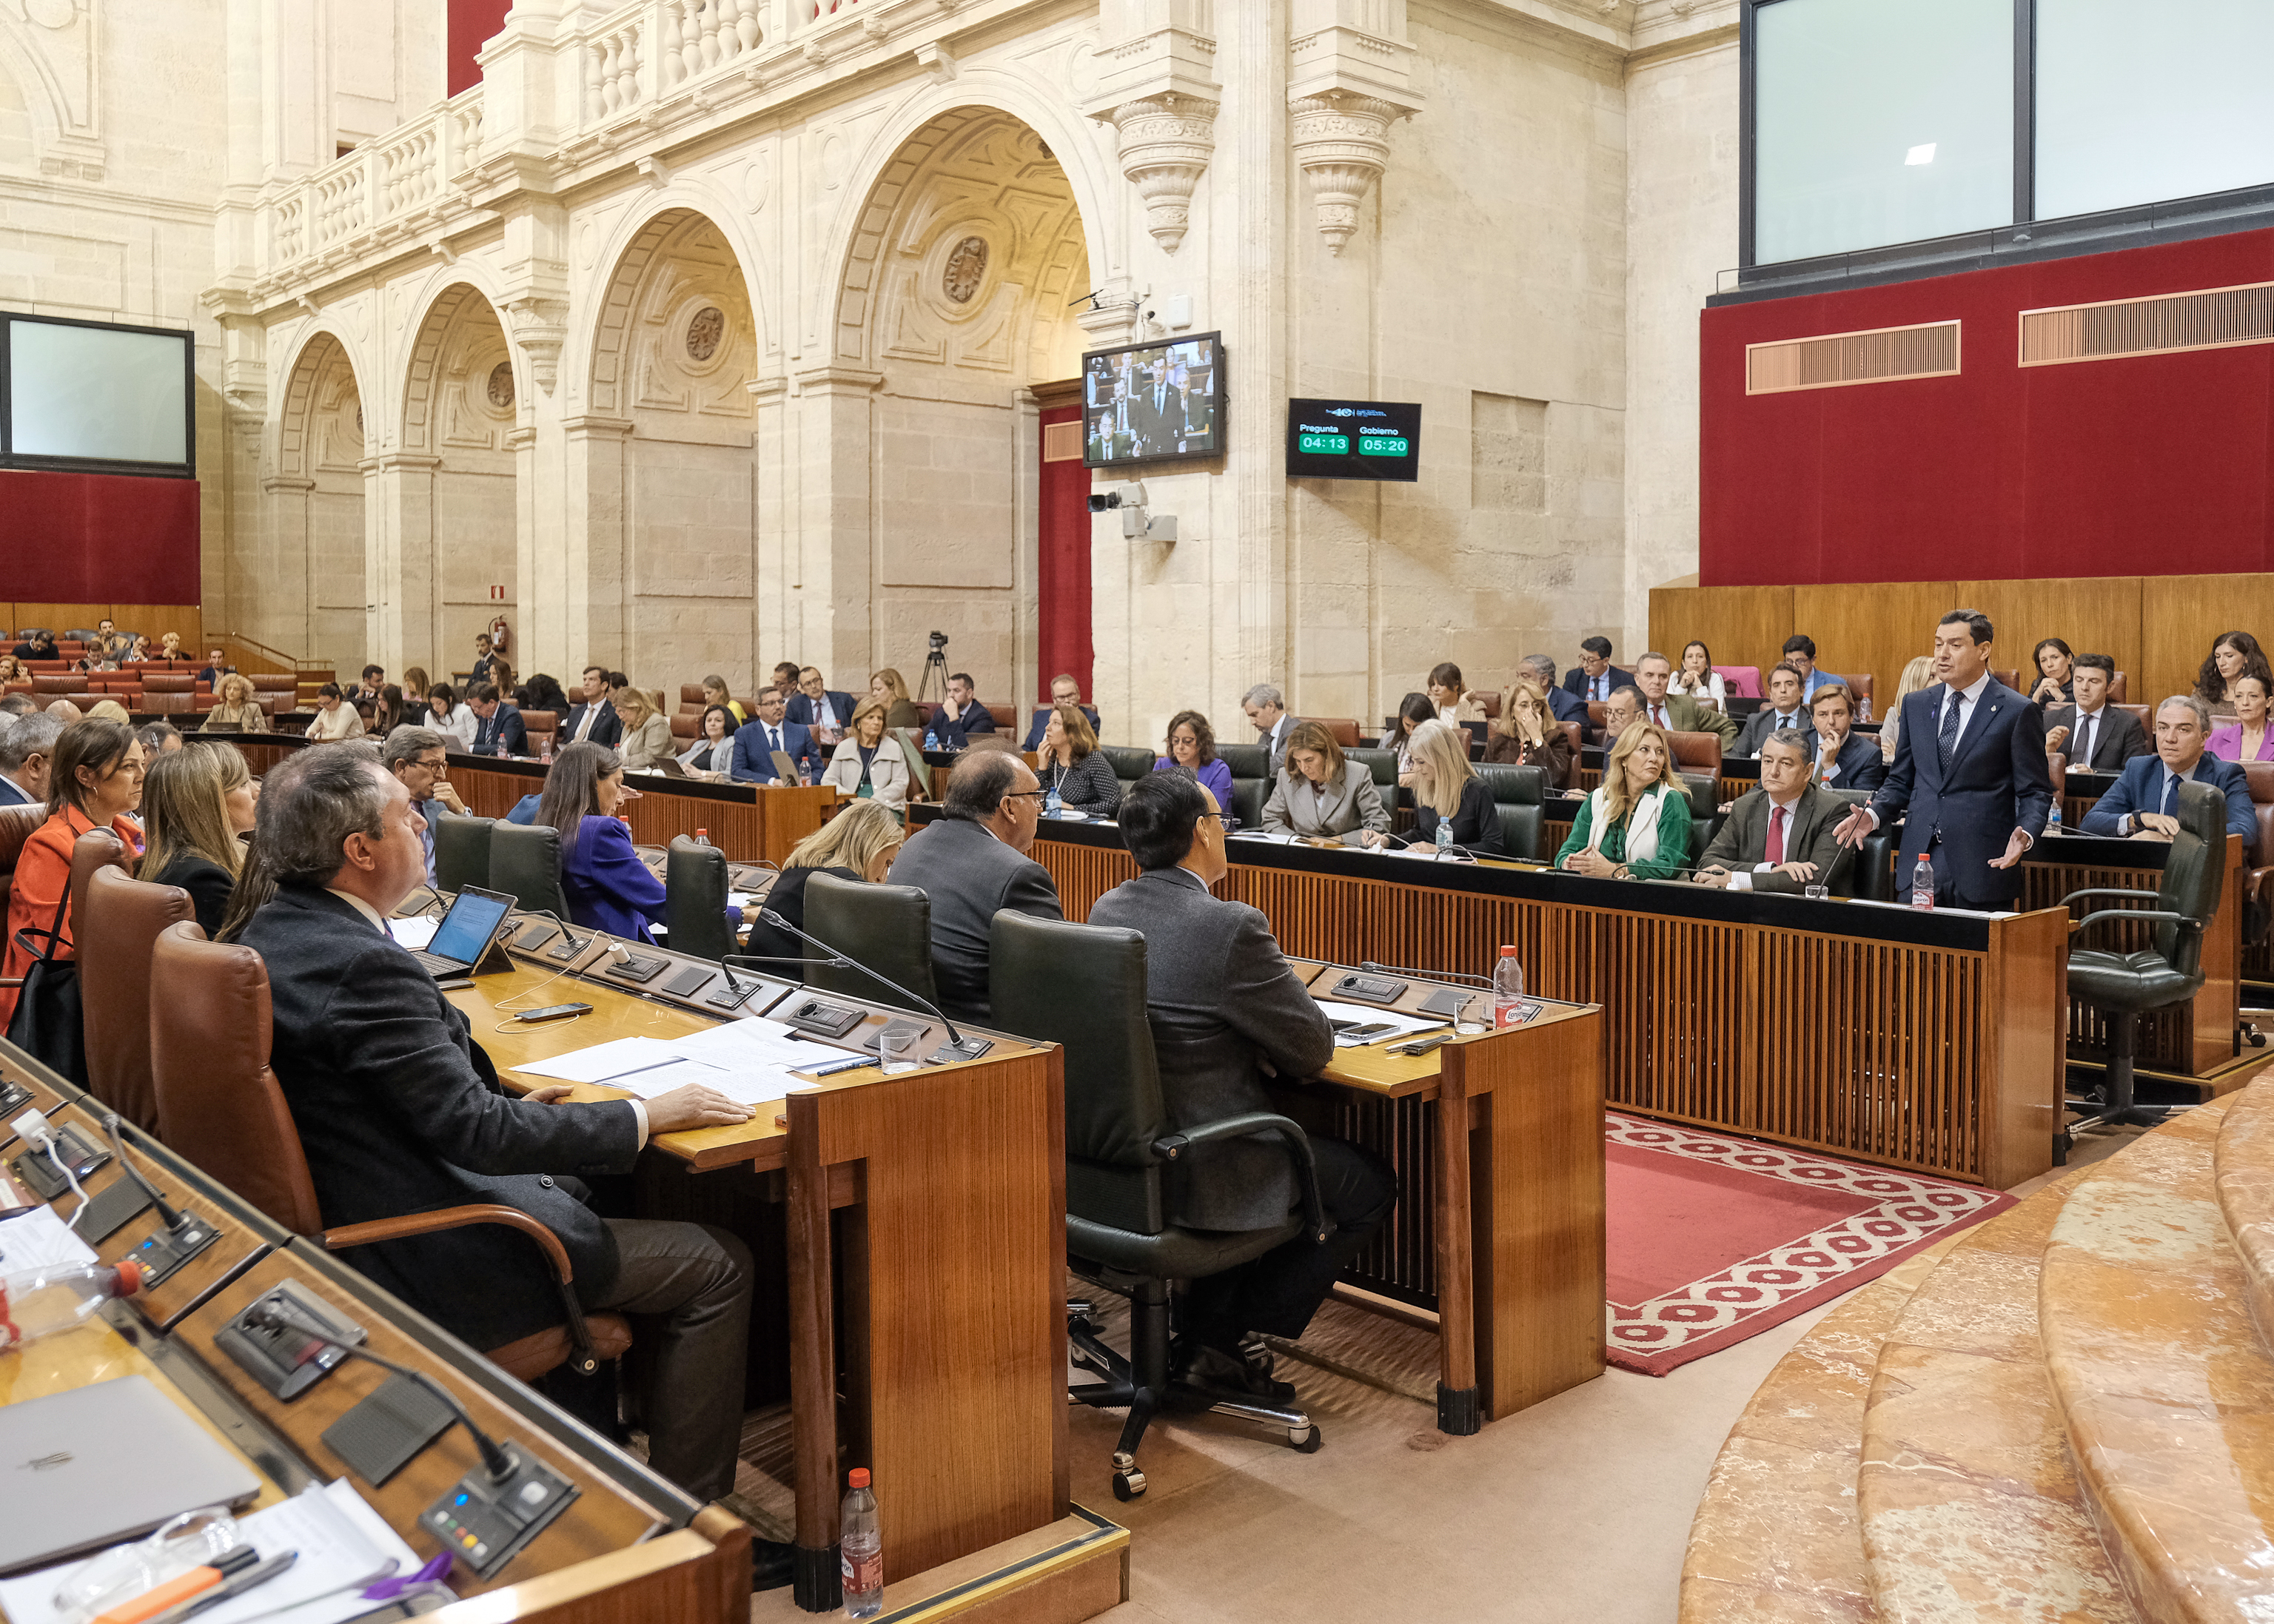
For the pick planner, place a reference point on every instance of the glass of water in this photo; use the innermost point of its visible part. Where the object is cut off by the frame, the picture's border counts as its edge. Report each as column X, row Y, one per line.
column 896, row 1047
column 1474, row 1016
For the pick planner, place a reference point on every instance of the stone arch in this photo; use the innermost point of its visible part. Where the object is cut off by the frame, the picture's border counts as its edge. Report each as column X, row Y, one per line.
column 308, row 588
column 36, row 90
column 677, row 240
column 321, row 421
column 19, row 142
column 459, row 334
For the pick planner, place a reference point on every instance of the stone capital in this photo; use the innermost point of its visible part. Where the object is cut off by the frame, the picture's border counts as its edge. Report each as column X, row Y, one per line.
column 1341, row 142
column 844, row 380
column 589, row 427
column 1165, row 143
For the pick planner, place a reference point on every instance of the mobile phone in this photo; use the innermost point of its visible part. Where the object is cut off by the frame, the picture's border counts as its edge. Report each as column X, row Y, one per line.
column 553, row 1012
column 1371, row 1029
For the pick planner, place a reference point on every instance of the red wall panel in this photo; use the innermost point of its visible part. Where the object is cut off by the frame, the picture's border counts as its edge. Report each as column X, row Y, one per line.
column 99, row 539
column 1062, row 636
column 2148, row 465
column 473, row 23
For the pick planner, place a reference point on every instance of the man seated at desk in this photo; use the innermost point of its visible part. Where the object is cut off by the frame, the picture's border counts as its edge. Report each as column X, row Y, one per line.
column 1779, row 837
column 1845, row 759
column 1226, row 1012
column 972, row 863
column 959, row 716
column 2144, row 803
column 758, row 739
column 400, row 1112
column 2105, row 737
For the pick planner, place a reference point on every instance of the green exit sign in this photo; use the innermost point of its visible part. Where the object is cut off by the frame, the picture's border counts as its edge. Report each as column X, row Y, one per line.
column 1326, row 444
column 1381, row 445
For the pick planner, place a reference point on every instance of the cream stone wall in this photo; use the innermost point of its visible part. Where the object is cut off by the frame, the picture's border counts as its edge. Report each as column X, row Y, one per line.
column 1510, row 211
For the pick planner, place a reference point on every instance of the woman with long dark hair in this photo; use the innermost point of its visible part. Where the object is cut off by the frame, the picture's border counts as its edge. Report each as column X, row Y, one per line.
column 602, row 878
column 94, row 780
column 2232, row 654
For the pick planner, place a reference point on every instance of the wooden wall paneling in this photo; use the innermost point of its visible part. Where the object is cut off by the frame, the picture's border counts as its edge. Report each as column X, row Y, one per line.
column 2091, row 616
column 1539, row 1216
column 2027, row 1062
column 1742, row 625
column 1877, row 627
column 155, row 620
column 61, row 618
column 2181, row 616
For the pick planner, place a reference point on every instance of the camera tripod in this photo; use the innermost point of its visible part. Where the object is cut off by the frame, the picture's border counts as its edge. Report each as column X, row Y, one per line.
column 935, row 666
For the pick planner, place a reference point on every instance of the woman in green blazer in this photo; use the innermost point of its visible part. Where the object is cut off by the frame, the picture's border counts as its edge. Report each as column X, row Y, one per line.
column 1636, row 826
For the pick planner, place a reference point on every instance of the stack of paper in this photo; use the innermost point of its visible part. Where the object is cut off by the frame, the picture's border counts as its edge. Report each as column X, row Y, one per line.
column 1366, row 1015
column 39, row 1240
column 748, row 1060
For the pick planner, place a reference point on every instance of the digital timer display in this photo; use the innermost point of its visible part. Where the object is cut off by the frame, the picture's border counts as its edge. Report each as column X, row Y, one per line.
column 1353, row 439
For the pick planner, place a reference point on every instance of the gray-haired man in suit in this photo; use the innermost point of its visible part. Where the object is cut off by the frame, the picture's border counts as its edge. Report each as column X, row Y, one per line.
column 1779, row 837
column 1226, row 1012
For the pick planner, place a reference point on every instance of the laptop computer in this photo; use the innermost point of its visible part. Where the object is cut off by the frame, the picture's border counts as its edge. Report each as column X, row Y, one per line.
column 466, row 940
column 105, row 1463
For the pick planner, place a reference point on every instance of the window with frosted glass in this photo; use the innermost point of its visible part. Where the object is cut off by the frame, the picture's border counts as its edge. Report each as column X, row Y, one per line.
column 1878, row 122
column 2138, row 105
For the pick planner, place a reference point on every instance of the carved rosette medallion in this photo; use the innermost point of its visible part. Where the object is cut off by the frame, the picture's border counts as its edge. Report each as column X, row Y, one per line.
column 705, row 331
column 500, row 386
column 965, row 268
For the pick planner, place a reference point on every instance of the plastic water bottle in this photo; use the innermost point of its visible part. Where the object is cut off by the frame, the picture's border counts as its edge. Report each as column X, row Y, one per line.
column 861, row 1549
column 702, row 837
column 1051, row 805
column 1445, row 843
column 1507, row 989
column 1922, row 885
column 2053, row 818
column 40, row 1302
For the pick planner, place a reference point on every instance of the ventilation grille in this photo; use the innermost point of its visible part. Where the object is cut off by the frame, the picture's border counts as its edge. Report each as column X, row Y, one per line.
column 2208, row 320
column 1062, row 441
column 1838, row 359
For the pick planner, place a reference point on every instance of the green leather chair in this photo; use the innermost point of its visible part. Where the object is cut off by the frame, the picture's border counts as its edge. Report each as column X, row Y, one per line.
column 526, row 864
column 461, row 853
column 2168, row 970
column 887, row 927
column 694, row 887
column 1082, row 987
column 1520, row 797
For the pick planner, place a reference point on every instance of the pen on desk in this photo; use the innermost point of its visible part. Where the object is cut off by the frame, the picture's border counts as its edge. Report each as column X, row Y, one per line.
column 236, row 1586
column 182, row 1588
column 854, row 1064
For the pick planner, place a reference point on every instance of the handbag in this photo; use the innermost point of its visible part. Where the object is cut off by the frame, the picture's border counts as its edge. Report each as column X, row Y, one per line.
column 48, row 1023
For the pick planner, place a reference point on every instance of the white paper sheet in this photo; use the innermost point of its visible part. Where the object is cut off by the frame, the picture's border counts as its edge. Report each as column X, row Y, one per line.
column 1367, row 1015
column 739, row 1045
column 661, row 1079
column 414, row 934
column 602, row 1063
column 38, row 1240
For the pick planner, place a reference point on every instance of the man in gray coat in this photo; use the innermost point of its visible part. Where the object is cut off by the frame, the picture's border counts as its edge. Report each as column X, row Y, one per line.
column 972, row 864
column 1779, row 837
column 1226, row 1011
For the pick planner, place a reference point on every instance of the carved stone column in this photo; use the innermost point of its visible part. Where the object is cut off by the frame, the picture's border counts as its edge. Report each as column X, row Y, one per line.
column 1349, row 79
column 1159, row 91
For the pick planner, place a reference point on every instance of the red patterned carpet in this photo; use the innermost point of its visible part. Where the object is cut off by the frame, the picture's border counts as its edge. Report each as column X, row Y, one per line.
column 1714, row 1239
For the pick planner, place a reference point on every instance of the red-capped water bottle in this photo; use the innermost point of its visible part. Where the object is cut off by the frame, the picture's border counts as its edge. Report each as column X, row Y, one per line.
column 41, row 1301
column 1922, row 885
column 861, row 1549
column 1507, row 989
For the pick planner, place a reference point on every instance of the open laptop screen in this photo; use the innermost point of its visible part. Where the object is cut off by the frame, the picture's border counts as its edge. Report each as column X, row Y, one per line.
column 467, row 928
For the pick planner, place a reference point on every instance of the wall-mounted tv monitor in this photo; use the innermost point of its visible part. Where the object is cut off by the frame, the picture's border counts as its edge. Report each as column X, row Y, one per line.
column 1154, row 403
column 1353, row 439
column 93, row 396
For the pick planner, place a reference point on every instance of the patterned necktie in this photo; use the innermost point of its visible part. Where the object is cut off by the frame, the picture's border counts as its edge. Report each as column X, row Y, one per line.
column 1947, row 743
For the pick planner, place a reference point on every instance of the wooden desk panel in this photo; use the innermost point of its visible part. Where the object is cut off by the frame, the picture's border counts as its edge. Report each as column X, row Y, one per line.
column 750, row 823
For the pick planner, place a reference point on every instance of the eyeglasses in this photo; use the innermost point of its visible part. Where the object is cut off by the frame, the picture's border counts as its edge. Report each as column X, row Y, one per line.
column 1014, row 794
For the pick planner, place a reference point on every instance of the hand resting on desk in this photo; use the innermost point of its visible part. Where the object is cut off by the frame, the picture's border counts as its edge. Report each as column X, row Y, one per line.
column 694, row 1106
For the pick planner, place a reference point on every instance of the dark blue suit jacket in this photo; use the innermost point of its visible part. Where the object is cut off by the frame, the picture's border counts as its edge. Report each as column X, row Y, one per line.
column 606, row 886
column 12, row 796
column 1567, row 706
column 504, row 724
column 753, row 764
column 802, row 709
column 1043, row 720
column 953, row 736
column 1998, row 782
column 2140, row 788
column 1861, row 765
column 1576, row 683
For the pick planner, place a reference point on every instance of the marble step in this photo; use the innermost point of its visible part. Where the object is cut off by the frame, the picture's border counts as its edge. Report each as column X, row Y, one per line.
column 1776, row 1538
column 2166, row 1391
column 2243, row 1173
column 1965, row 1490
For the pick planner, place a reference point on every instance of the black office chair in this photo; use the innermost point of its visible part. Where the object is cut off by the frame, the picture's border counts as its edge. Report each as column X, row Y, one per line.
column 694, row 887
column 1130, row 763
column 1520, row 797
column 1251, row 780
column 1383, row 766
column 887, row 927
column 461, row 853
column 1082, row 987
column 2168, row 970
column 526, row 864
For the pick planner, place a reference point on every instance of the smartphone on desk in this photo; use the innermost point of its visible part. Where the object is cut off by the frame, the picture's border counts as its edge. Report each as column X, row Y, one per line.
column 553, row 1012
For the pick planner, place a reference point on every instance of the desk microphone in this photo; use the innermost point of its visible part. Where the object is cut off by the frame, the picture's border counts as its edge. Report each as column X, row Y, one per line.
column 271, row 1314
column 568, row 936
column 963, row 1048
column 175, row 1220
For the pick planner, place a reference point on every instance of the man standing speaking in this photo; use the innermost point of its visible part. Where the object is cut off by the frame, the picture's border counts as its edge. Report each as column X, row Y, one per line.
column 1969, row 780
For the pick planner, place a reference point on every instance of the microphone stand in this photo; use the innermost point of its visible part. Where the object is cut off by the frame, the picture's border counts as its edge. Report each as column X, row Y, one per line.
column 957, row 1047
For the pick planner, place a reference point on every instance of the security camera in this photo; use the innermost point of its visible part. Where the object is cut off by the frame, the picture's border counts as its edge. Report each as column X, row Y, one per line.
column 1105, row 501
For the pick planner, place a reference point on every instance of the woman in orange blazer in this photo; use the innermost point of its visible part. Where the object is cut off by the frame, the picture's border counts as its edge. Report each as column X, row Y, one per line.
column 96, row 779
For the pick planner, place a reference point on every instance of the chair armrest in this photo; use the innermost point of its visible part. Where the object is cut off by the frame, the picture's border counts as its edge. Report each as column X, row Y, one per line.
column 1170, row 1147
column 2103, row 891
column 2134, row 913
column 564, row 1274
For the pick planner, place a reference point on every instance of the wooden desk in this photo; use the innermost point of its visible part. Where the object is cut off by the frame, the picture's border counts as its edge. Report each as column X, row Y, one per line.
column 1945, row 1054
column 750, row 822
column 1500, row 1222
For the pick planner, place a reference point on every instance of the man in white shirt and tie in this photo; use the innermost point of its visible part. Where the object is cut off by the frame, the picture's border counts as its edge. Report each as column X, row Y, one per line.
column 756, row 741
column 1266, row 712
column 1653, row 674
column 1783, row 714
column 594, row 720
column 1779, row 836
column 2104, row 737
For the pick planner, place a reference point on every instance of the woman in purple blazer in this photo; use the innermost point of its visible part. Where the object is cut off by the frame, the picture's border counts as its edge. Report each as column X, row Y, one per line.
column 605, row 884
column 2247, row 738
column 1192, row 751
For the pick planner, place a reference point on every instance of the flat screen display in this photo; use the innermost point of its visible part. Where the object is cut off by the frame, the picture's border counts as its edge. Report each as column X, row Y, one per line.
column 466, row 929
column 1155, row 403
column 1353, row 439
column 91, row 393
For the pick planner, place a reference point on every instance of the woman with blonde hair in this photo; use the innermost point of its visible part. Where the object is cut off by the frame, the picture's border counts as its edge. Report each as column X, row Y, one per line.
column 109, row 710
column 890, row 689
column 1323, row 796
column 868, row 766
column 647, row 740
column 1525, row 734
column 858, row 844
column 1636, row 825
column 1917, row 675
column 195, row 803
column 715, row 697
column 1452, row 805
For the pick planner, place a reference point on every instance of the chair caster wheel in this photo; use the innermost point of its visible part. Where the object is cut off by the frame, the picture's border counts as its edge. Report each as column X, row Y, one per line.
column 1307, row 1439
column 1127, row 1486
